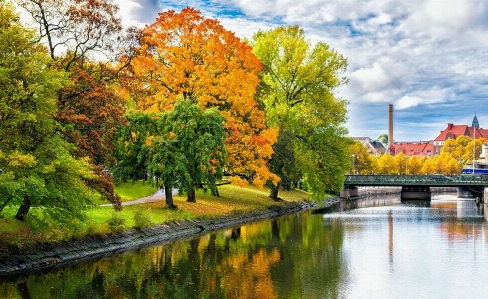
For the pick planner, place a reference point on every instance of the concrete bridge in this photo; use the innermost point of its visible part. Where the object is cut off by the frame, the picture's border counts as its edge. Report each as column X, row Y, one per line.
column 417, row 186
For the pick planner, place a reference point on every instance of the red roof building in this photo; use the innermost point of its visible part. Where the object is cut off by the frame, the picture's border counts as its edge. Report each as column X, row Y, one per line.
column 454, row 131
column 417, row 149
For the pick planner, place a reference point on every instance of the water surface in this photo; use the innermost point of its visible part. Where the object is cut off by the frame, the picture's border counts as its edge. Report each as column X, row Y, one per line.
column 370, row 248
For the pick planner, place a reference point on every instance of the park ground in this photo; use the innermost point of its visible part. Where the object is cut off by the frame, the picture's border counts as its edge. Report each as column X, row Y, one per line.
column 143, row 206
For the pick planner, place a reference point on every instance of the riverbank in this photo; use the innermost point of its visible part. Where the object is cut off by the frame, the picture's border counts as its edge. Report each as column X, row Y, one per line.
column 364, row 192
column 46, row 256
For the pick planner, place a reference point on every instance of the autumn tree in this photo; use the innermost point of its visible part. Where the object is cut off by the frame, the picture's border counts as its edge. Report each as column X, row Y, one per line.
column 453, row 166
column 299, row 82
column 386, row 165
column 463, row 149
column 82, row 37
column 401, row 163
column 37, row 166
column 428, row 167
column 77, row 27
column 184, row 55
column 189, row 150
column 414, row 165
column 362, row 161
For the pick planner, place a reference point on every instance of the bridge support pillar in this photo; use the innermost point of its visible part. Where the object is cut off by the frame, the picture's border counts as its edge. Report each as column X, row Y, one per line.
column 471, row 192
column 348, row 192
column 416, row 192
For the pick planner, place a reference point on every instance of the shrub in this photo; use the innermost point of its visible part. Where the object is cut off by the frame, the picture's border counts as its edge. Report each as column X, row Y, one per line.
column 93, row 228
column 142, row 218
column 116, row 223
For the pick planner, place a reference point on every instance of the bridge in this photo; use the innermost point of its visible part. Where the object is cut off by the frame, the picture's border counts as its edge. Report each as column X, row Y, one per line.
column 417, row 186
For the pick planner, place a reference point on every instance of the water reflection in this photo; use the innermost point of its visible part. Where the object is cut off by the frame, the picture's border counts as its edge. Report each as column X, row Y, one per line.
column 261, row 260
column 370, row 248
column 433, row 250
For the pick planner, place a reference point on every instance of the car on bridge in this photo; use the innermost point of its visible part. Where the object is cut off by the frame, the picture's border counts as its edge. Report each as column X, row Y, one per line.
column 440, row 177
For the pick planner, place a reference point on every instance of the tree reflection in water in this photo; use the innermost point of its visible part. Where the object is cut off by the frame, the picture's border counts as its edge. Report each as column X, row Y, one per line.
column 293, row 256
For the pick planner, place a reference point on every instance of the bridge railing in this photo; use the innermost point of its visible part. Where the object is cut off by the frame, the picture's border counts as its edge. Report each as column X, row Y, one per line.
column 417, row 180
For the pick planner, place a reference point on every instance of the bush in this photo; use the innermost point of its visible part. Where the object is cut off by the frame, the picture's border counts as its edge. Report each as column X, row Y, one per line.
column 142, row 218
column 93, row 228
column 117, row 222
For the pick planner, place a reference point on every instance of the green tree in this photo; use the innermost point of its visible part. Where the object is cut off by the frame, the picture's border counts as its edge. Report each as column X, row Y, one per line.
column 132, row 152
column 298, row 85
column 383, row 138
column 36, row 161
column 283, row 163
column 189, row 150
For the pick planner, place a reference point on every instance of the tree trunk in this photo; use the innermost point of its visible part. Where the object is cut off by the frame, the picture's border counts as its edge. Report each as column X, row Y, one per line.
column 191, row 195
column 213, row 186
column 273, row 194
column 235, row 234
column 23, row 290
column 168, row 193
column 275, row 230
column 24, row 209
column 214, row 190
column 4, row 205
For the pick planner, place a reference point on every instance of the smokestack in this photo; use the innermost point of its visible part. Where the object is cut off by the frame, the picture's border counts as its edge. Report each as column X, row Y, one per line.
column 390, row 125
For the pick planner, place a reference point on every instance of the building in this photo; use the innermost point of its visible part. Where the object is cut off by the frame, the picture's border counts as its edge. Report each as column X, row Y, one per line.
column 411, row 149
column 373, row 147
column 425, row 148
column 454, row 131
column 418, row 149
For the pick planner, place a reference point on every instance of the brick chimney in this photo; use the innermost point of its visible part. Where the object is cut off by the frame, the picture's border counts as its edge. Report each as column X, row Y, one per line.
column 390, row 125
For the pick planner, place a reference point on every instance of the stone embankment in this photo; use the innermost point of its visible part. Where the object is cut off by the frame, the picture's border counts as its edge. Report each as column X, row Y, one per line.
column 46, row 256
column 378, row 191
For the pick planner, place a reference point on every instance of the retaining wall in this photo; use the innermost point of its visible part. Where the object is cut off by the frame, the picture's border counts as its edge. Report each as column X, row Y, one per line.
column 46, row 256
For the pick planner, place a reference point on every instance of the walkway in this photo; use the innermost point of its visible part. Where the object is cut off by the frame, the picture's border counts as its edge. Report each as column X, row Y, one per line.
column 157, row 196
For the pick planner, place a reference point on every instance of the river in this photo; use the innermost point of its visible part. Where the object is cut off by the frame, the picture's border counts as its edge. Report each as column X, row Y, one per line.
column 370, row 248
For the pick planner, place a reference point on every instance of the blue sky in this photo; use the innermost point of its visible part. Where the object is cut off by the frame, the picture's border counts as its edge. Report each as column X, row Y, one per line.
column 429, row 58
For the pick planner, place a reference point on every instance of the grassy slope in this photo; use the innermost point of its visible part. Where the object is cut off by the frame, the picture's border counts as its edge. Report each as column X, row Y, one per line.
column 232, row 199
column 134, row 190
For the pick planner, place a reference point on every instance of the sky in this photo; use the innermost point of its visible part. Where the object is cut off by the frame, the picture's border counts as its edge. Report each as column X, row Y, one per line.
column 429, row 58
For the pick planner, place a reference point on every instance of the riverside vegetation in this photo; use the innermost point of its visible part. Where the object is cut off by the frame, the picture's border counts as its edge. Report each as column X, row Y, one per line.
column 103, row 220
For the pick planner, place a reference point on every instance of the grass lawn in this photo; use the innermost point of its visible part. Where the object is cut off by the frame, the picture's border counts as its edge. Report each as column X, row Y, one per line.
column 232, row 199
column 134, row 190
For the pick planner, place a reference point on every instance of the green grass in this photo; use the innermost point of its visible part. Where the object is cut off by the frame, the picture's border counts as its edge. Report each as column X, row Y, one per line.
column 158, row 214
column 232, row 199
column 134, row 190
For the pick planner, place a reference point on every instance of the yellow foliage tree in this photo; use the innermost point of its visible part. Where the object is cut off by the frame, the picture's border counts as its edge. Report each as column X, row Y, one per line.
column 386, row 165
column 462, row 148
column 186, row 56
column 415, row 165
column 362, row 160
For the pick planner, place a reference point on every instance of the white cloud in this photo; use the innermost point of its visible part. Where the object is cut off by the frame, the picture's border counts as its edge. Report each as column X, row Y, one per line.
column 372, row 78
column 246, row 28
column 421, row 55
column 408, row 102
column 443, row 18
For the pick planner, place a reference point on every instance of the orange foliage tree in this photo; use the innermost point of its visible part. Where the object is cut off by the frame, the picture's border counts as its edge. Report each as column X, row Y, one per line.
column 184, row 55
column 74, row 32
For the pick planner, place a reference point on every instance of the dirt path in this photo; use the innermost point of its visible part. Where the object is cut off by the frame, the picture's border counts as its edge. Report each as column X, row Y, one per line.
column 157, row 196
